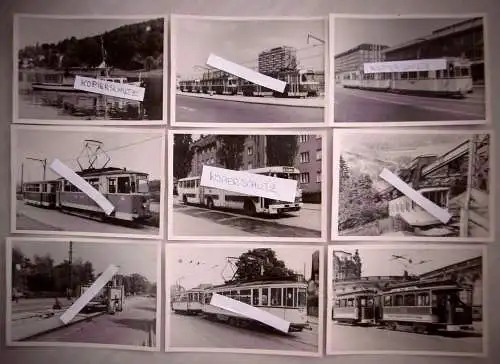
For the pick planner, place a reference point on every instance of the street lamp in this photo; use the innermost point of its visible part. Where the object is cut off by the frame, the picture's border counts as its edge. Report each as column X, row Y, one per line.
column 44, row 164
column 309, row 36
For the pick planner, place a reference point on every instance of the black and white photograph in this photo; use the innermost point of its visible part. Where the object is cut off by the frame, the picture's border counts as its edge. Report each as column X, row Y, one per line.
column 284, row 281
column 197, row 211
column 51, row 51
column 291, row 50
column 126, row 167
column 456, row 94
column 449, row 168
column 47, row 276
column 407, row 299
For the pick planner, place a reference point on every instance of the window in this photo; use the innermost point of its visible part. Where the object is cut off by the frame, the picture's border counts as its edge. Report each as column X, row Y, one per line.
column 123, row 184
column 412, row 75
column 318, row 177
column 275, row 296
column 304, row 178
column 423, row 299
column 398, row 300
column 245, row 296
column 289, row 297
column 318, row 154
column 303, row 138
column 112, row 185
column 350, row 302
column 250, row 151
column 304, row 157
column 318, row 136
column 423, row 74
column 44, row 187
column 362, row 302
column 255, row 297
column 301, row 297
column 409, row 299
column 265, row 292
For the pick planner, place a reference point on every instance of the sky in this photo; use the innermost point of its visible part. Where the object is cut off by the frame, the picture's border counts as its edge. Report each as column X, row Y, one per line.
column 53, row 30
column 350, row 33
column 213, row 264
column 139, row 257
column 377, row 262
column 66, row 146
column 242, row 41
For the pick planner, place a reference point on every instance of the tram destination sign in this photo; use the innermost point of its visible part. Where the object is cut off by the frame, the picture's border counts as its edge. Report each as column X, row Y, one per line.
column 405, row 66
column 109, row 88
column 249, row 183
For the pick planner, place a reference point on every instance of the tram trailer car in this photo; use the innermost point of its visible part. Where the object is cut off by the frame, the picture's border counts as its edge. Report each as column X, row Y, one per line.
column 189, row 302
column 455, row 81
column 427, row 307
column 126, row 190
column 284, row 299
column 356, row 307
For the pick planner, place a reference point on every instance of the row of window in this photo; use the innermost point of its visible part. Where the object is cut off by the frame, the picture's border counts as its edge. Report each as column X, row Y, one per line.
column 420, row 75
column 305, row 179
column 305, row 138
column 405, row 204
column 304, row 156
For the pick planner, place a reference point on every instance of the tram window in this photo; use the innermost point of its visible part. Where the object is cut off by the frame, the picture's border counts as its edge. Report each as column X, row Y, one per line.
column 362, row 302
column 350, row 302
column 409, row 299
column 94, row 182
column 301, row 297
column 245, row 296
column 265, row 292
column 255, row 297
column 123, row 184
column 208, row 298
column 132, row 185
column 337, row 303
column 289, row 297
column 423, row 299
column 112, row 185
column 369, row 302
column 464, row 71
column 423, row 74
column 197, row 183
column 44, row 187
column 465, row 296
column 412, row 75
column 403, row 75
column 233, row 294
column 398, row 300
column 275, row 296
column 142, row 185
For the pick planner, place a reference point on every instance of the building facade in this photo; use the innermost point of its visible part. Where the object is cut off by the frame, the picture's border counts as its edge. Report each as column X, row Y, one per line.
column 354, row 58
column 204, row 153
column 308, row 162
column 254, row 152
column 463, row 39
column 277, row 59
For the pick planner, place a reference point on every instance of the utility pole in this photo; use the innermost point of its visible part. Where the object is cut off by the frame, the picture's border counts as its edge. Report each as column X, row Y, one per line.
column 22, row 177
column 70, row 268
column 464, row 211
column 44, row 164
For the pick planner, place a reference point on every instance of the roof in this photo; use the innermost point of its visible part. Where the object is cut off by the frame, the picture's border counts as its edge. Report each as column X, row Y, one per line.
column 260, row 283
column 423, row 284
column 107, row 171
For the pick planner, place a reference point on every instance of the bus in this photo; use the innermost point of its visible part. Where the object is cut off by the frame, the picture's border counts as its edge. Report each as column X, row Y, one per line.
column 190, row 192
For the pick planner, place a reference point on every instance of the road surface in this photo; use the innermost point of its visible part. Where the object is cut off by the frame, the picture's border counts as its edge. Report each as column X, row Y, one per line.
column 129, row 327
column 197, row 332
column 25, row 306
column 36, row 218
column 352, row 105
column 199, row 221
column 352, row 338
column 202, row 110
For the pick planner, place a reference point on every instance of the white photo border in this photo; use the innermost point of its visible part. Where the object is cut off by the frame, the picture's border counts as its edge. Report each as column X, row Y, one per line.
column 485, row 313
column 15, row 128
column 174, row 18
column 487, row 71
column 337, row 150
column 78, row 122
column 321, row 299
column 324, row 180
column 45, row 240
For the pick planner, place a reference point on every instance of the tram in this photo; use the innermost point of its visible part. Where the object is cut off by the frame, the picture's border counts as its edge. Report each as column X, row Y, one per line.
column 127, row 190
column 356, row 307
column 454, row 81
column 189, row 302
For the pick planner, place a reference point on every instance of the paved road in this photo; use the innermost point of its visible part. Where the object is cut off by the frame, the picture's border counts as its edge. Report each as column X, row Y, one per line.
column 194, row 109
column 351, row 338
column 36, row 218
column 195, row 331
column 198, row 221
column 34, row 305
column 353, row 105
column 129, row 327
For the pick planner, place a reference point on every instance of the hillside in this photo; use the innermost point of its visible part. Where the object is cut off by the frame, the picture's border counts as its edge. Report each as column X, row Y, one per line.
column 136, row 46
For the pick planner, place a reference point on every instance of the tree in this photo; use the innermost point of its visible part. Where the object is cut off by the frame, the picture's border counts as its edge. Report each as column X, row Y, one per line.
column 182, row 155
column 230, row 150
column 261, row 264
column 344, row 173
column 281, row 150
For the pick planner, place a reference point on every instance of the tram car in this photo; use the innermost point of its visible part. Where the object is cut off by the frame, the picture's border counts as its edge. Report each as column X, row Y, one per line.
column 189, row 302
column 219, row 82
column 285, row 299
column 454, row 81
column 427, row 306
column 126, row 190
column 356, row 307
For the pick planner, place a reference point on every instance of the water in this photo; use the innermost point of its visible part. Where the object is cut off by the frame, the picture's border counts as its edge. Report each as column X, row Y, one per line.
column 87, row 106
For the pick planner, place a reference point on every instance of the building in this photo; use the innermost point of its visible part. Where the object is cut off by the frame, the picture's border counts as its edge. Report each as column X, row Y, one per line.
column 254, row 152
column 463, row 39
column 346, row 266
column 308, row 162
column 204, row 153
column 354, row 58
column 277, row 59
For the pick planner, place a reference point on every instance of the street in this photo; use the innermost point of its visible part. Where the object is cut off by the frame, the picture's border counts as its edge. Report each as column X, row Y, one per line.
column 28, row 307
column 353, row 105
column 196, row 332
column 199, row 221
column 202, row 110
column 132, row 326
column 352, row 338
column 36, row 218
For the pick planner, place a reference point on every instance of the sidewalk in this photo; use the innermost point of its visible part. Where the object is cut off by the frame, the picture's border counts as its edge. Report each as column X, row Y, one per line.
column 316, row 102
column 312, row 206
column 27, row 328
